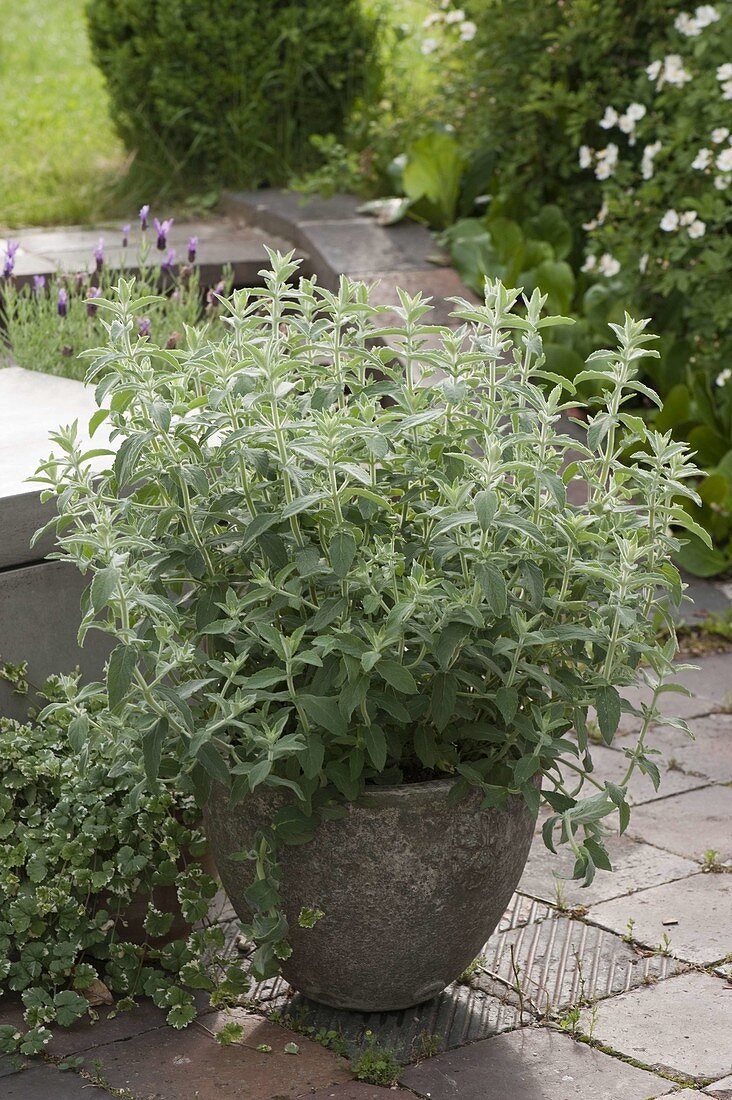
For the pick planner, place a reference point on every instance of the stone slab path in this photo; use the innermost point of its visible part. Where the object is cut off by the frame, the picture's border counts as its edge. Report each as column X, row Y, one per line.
column 623, row 992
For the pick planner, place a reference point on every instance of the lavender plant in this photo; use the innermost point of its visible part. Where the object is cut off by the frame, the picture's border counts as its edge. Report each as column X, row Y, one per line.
column 51, row 323
column 337, row 549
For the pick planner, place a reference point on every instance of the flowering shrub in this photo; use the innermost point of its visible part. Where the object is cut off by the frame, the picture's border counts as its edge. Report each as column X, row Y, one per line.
column 231, row 89
column 662, row 237
column 541, row 70
column 50, row 324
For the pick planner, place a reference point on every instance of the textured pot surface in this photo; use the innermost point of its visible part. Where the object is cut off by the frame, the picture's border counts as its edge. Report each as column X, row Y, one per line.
column 411, row 888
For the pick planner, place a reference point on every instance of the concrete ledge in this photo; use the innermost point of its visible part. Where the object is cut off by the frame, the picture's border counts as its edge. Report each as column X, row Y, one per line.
column 38, row 624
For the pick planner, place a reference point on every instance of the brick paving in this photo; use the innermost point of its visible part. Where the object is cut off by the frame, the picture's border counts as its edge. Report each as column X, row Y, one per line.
column 597, row 1009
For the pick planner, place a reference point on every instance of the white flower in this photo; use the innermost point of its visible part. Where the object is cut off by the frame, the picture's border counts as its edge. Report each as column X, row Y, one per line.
column 468, row 31
column 431, row 19
column 697, row 229
column 685, row 24
column 720, row 134
column 606, row 161
column 723, row 377
column 687, row 217
column 722, row 182
column 727, row 90
column 649, row 153
column 590, row 263
column 609, row 119
column 724, row 160
column 626, row 124
column 585, row 156
column 670, row 71
column 608, row 265
column 706, row 14
column 643, row 263
column 457, row 15
column 669, row 221
column 702, row 159
column 724, row 72
column 430, row 45
column 636, row 111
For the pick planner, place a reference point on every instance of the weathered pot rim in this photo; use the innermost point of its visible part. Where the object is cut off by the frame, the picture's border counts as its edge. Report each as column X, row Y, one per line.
column 426, row 791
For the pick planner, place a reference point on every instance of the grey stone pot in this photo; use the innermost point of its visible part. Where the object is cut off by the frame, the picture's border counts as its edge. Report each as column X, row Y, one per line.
column 411, row 888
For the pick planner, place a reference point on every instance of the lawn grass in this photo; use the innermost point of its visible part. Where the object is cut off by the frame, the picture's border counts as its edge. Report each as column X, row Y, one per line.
column 61, row 162
column 59, row 155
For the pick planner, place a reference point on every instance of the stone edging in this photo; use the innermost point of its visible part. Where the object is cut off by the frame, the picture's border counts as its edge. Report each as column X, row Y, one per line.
column 335, row 240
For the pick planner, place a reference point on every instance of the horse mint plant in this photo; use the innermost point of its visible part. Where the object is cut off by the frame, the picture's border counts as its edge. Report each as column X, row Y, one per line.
column 334, row 547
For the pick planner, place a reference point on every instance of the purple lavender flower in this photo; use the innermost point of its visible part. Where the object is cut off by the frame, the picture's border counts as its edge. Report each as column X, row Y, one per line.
column 167, row 265
column 99, row 254
column 92, row 307
column 144, row 211
column 125, row 235
column 39, row 282
column 63, row 302
column 162, row 229
column 67, row 351
column 9, row 264
column 143, row 328
column 79, row 281
column 211, row 296
column 192, row 246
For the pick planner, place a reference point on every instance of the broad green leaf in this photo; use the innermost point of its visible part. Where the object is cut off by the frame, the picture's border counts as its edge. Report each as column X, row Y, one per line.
column 103, row 587
column 493, row 585
column 398, row 676
column 375, row 743
column 214, row 763
column 152, row 747
column 342, row 551
column 324, row 711
column 120, row 671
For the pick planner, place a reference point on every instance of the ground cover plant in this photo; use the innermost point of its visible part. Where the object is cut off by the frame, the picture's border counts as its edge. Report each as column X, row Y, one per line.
column 49, row 324
column 100, row 881
column 320, row 574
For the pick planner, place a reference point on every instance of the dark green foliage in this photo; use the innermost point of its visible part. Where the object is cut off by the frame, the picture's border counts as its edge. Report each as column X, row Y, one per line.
column 233, row 89
column 548, row 71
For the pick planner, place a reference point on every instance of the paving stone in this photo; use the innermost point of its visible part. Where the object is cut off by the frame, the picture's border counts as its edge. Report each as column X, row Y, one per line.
column 708, row 754
column 709, row 684
column 13, row 1063
column 682, row 1025
column 561, row 962
column 531, row 1064
column 111, row 1027
column 48, row 1083
column 355, row 247
column 685, row 1094
column 612, row 764
column 688, row 824
column 701, row 905
column 722, row 1090
column 356, row 1090
column 635, row 866
column 276, row 211
column 190, row 1065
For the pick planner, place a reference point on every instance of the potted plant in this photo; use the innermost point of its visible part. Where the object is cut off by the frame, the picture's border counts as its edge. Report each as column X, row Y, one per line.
column 356, row 609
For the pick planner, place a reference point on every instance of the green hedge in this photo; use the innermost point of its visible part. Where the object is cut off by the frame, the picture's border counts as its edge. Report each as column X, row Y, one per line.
column 231, row 89
column 546, row 71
